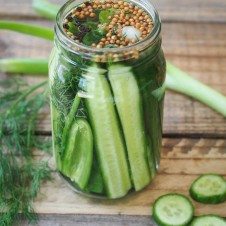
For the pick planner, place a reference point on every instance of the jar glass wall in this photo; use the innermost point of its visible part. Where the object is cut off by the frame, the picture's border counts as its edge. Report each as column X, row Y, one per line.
column 107, row 111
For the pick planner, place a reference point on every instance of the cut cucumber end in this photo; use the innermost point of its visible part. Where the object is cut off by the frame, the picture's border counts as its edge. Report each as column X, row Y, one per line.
column 207, row 220
column 173, row 209
column 209, row 189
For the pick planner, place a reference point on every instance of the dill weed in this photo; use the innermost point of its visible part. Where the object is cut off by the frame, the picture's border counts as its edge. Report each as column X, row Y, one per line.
column 20, row 175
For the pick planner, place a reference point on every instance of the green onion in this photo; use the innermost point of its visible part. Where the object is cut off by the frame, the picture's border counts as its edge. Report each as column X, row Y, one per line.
column 181, row 82
column 45, row 8
column 176, row 80
column 24, row 66
column 29, row 29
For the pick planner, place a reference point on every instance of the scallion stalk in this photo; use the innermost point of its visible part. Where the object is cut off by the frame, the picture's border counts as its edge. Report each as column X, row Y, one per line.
column 181, row 82
column 176, row 80
column 29, row 29
column 45, row 8
column 24, row 66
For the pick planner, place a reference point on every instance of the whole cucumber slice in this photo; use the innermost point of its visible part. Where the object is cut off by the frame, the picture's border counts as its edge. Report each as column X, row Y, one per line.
column 129, row 106
column 78, row 154
column 173, row 210
column 209, row 188
column 208, row 220
column 108, row 139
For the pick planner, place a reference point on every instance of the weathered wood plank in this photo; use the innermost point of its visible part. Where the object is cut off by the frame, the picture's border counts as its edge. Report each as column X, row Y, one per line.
column 200, row 40
column 183, row 160
column 196, row 48
column 170, row 10
column 184, row 148
column 58, row 198
column 182, row 116
column 194, row 148
column 90, row 220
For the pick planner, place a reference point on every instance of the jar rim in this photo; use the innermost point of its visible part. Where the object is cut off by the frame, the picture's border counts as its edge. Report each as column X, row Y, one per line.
column 89, row 51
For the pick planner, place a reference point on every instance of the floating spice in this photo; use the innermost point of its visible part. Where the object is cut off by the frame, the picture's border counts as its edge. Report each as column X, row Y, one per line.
column 108, row 24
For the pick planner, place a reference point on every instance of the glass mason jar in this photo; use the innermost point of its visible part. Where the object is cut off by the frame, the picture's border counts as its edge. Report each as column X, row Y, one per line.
column 107, row 110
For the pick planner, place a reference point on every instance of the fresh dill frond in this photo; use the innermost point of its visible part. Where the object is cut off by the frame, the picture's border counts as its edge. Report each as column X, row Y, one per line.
column 20, row 175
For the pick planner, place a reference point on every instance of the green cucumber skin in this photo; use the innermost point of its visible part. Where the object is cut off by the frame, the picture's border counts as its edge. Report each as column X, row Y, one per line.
column 78, row 155
column 96, row 184
column 56, row 128
column 69, row 120
column 214, row 199
column 203, row 218
column 150, row 75
column 154, row 119
column 151, row 162
column 159, row 221
column 107, row 136
column 129, row 106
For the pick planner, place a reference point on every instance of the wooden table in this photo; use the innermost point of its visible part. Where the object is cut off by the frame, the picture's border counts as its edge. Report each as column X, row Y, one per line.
column 194, row 38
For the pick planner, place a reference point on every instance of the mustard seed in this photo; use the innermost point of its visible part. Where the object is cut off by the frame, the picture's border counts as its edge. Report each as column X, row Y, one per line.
column 142, row 28
column 114, row 37
column 138, row 25
column 114, row 19
column 128, row 14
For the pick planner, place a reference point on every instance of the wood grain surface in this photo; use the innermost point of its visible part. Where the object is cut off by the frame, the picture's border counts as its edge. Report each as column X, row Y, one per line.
column 193, row 48
column 182, row 161
column 194, row 39
column 170, row 10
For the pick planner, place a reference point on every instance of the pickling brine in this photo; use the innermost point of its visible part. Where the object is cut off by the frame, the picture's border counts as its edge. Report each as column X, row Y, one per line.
column 107, row 96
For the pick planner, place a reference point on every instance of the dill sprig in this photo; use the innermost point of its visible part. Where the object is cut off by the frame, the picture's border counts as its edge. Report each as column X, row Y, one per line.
column 20, row 175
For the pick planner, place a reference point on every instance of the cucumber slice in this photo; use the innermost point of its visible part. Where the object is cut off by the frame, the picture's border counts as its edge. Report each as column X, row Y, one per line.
column 129, row 106
column 173, row 210
column 208, row 220
column 78, row 154
column 108, row 139
column 209, row 188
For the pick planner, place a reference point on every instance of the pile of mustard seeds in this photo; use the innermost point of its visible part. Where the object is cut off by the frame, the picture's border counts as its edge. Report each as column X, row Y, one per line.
column 108, row 24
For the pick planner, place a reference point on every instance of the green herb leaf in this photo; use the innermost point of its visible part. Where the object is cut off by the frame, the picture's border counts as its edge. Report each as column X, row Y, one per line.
column 104, row 14
column 91, row 24
column 72, row 28
column 20, row 177
column 93, row 37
